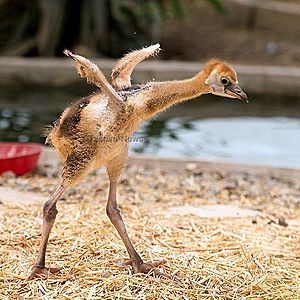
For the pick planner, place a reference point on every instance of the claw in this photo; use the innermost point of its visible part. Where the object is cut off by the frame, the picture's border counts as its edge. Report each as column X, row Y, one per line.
column 145, row 267
column 38, row 272
column 160, row 274
column 157, row 263
column 127, row 264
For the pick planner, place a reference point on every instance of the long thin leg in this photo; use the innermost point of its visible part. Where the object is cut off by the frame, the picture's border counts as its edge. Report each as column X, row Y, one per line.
column 114, row 215
column 49, row 215
column 138, row 266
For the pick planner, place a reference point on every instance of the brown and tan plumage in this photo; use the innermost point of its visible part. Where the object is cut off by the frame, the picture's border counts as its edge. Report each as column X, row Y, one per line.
column 94, row 131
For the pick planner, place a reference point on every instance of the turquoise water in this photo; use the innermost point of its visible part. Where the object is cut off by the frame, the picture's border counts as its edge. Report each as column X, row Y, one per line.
column 267, row 131
column 267, row 141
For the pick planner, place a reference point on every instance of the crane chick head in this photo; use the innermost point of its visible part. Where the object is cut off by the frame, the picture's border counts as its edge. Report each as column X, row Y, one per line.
column 222, row 80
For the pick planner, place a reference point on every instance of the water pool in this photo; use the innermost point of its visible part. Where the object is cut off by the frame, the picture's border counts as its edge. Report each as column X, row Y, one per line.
column 266, row 131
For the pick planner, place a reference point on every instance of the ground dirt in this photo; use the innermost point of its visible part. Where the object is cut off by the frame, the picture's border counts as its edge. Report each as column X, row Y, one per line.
column 252, row 257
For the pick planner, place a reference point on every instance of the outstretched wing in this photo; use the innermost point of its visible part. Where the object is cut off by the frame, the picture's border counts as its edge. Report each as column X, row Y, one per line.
column 90, row 71
column 122, row 71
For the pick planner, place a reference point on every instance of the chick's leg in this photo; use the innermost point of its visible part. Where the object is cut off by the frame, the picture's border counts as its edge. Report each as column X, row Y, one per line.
column 138, row 266
column 49, row 215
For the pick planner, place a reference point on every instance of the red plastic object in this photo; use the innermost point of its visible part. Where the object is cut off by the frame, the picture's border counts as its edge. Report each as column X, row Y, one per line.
column 19, row 158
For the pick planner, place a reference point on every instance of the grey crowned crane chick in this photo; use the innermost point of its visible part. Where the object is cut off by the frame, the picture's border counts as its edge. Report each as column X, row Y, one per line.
column 87, row 134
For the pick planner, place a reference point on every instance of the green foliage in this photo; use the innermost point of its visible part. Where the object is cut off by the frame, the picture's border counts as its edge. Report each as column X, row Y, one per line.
column 43, row 27
column 218, row 6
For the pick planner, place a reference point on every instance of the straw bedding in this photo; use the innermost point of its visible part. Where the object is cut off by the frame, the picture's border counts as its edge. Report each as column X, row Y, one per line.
column 229, row 258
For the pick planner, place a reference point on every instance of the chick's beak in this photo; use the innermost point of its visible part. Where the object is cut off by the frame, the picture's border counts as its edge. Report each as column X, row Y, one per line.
column 235, row 91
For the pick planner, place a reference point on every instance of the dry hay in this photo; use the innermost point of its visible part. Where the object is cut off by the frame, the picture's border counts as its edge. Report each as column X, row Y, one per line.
column 241, row 258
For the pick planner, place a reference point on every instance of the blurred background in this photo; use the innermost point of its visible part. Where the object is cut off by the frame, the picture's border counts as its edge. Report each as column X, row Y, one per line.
column 260, row 38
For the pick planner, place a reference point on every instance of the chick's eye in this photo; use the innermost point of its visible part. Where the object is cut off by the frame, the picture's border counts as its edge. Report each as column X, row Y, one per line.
column 225, row 81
